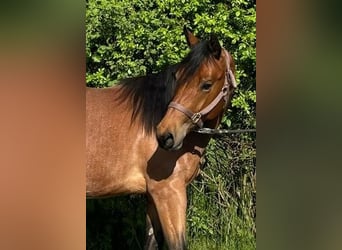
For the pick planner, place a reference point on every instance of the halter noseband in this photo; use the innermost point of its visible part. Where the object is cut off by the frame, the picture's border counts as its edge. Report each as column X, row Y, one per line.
column 196, row 118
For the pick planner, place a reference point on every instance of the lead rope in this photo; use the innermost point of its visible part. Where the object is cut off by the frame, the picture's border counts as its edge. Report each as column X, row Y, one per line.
column 214, row 131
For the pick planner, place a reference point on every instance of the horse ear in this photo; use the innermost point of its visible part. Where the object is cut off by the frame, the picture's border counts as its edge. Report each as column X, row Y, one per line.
column 190, row 38
column 214, row 47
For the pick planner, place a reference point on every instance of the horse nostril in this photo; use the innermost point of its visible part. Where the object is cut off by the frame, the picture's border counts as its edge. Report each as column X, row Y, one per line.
column 166, row 141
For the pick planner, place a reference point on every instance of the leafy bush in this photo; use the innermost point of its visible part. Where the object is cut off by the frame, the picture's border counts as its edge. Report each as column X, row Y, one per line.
column 136, row 37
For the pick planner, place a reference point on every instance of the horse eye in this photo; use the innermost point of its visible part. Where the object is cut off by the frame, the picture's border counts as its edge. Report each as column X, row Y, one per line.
column 206, row 86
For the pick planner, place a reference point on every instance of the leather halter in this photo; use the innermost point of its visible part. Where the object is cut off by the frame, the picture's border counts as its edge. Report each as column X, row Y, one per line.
column 196, row 118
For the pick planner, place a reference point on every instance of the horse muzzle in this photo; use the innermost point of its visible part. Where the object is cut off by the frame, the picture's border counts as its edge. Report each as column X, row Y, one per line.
column 167, row 141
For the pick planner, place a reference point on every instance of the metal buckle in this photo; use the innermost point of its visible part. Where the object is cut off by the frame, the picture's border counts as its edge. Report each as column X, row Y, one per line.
column 196, row 117
column 225, row 90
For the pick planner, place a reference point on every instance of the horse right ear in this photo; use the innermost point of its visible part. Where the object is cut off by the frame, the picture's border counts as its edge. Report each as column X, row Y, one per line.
column 190, row 38
column 214, row 47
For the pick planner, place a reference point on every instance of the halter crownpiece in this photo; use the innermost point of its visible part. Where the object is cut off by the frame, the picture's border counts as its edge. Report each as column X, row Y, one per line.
column 196, row 118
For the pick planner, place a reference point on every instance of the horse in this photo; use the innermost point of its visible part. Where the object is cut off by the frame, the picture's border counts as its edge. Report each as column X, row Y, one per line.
column 141, row 138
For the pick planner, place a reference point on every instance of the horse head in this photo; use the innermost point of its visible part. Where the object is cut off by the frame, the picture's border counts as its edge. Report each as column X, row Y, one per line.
column 205, row 84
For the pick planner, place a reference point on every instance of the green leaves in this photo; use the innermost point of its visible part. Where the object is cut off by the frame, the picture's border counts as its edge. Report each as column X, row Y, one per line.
column 244, row 99
column 147, row 35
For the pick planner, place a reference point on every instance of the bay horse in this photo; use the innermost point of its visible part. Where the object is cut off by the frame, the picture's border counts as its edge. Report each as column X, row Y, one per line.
column 140, row 135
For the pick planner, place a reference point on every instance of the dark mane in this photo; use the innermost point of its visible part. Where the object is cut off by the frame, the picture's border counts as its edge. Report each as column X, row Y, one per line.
column 150, row 95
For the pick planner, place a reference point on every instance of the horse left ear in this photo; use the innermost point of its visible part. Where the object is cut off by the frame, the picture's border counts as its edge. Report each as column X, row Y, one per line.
column 190, row 38
column 215, row 47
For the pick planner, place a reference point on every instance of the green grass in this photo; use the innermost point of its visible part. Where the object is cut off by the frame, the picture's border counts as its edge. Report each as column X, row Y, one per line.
column 226, row 231
column 207, row 244
column 213, row 226
column 222, row 202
